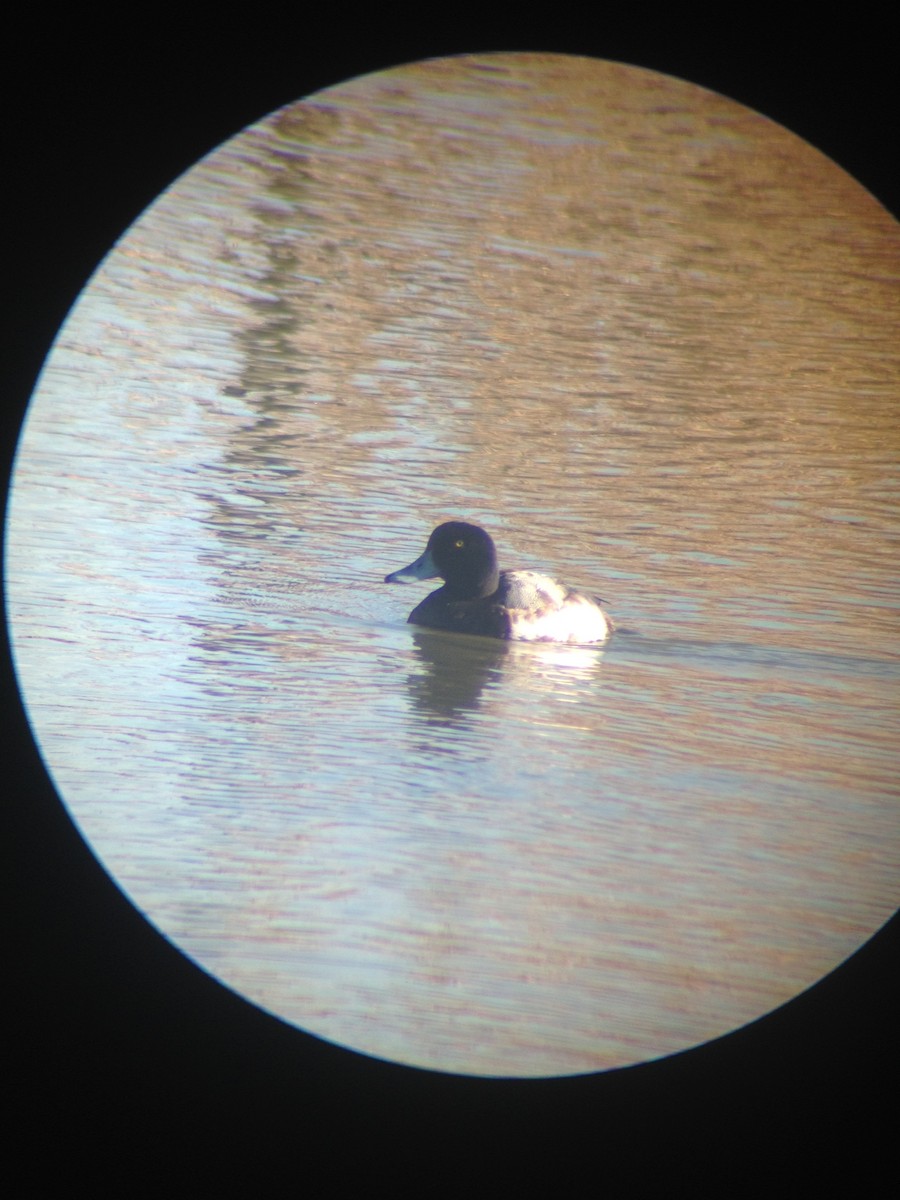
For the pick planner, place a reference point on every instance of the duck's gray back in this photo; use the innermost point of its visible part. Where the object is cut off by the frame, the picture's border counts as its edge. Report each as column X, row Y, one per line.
column 529, row 590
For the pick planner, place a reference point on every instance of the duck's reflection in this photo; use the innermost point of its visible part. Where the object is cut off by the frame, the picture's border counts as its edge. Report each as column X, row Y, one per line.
column 457, row 672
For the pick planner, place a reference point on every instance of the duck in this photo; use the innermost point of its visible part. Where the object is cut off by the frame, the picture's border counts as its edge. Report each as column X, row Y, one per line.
column 479, row 598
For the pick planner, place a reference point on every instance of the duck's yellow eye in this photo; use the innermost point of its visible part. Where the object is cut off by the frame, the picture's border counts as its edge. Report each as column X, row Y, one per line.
column 459, row 543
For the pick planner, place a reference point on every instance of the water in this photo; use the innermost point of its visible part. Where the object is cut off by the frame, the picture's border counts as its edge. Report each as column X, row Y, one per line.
column 649, row 341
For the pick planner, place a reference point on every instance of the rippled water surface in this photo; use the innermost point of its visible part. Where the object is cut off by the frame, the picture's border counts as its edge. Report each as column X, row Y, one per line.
column 649, row 340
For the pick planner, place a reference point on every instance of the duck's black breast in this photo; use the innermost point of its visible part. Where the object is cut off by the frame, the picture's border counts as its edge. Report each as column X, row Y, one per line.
column 483, row 616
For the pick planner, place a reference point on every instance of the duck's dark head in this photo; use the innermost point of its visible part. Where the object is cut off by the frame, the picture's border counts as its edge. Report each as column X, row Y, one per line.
column 461, row 554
